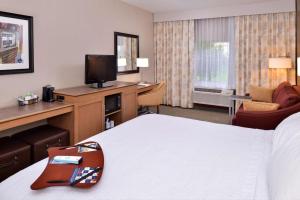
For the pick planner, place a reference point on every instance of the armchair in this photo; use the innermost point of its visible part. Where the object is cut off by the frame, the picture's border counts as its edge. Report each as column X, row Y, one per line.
column 267, row 120
column 289, row 99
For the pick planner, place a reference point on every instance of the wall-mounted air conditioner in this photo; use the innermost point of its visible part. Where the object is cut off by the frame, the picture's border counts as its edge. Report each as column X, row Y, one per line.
column 212, row 97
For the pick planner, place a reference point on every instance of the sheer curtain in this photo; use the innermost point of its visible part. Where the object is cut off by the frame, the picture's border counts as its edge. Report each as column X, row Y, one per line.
column 214, row 53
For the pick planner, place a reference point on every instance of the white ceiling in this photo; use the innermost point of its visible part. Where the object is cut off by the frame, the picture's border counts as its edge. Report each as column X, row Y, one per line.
column 160, row 6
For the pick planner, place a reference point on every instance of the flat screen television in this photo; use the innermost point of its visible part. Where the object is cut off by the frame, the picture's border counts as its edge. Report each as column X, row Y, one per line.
column 100, row 69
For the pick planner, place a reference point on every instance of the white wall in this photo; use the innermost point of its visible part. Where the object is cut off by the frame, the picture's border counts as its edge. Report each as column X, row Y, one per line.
column 226, row 11
column 66, row 30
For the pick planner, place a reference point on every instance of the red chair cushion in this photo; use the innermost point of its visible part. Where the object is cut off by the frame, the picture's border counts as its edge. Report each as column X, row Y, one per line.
column 287, row 96
column 279, row 88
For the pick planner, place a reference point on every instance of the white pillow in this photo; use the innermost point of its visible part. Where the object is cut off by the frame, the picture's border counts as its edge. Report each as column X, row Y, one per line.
column 284, row 167
column 286, row 130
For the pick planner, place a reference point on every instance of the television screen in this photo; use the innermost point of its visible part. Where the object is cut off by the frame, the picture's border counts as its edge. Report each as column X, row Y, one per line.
column 100, row 68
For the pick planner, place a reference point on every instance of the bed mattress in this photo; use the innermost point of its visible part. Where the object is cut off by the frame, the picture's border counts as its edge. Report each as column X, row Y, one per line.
column 164, row 158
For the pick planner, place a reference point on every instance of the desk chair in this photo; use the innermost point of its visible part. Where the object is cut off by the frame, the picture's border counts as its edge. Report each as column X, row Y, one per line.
column 153, row 98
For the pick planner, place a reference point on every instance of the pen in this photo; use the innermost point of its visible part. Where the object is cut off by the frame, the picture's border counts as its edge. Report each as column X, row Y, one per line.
column 57, row 181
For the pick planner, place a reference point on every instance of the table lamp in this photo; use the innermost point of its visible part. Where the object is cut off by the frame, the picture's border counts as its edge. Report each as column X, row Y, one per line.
column 142, row 62
column 280, row 63
column 122, row 62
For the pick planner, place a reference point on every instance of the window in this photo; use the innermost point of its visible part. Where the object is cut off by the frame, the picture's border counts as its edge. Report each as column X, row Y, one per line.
column 214, row 53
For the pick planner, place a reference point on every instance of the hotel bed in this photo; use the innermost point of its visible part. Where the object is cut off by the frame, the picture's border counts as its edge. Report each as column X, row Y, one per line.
column 164, row 158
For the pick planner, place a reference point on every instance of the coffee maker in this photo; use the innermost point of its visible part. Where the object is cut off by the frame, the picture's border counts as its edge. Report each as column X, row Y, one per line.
column 48, row 93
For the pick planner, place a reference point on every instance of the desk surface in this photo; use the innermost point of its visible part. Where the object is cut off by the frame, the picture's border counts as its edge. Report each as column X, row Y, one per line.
column 83, row 90
column 17, row 112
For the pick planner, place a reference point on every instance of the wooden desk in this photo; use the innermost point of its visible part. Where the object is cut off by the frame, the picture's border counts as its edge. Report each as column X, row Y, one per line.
column 57, row 114
column 142, row 88
column 86, row 90
column 82, row 114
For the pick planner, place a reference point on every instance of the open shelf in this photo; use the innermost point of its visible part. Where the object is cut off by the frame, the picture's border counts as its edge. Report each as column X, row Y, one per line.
column 116, row 116
column 112, row 113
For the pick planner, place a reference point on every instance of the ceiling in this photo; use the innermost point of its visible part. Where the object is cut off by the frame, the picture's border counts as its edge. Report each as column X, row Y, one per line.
column 159, row 6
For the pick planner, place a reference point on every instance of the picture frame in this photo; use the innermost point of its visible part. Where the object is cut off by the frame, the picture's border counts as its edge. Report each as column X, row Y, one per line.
column 16, row 44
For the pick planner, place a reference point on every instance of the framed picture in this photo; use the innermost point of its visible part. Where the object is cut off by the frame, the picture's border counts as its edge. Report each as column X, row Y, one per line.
column 16, row 43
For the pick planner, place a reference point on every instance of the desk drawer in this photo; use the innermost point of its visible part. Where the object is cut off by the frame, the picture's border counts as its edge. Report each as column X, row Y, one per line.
column 14, row 156
column 42, row 138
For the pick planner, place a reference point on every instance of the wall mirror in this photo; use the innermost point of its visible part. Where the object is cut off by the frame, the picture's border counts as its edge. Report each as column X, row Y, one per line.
column 126, row 52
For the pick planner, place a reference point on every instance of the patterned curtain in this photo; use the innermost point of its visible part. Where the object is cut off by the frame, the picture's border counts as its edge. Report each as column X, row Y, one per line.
column 258, row 38
column 174, row 47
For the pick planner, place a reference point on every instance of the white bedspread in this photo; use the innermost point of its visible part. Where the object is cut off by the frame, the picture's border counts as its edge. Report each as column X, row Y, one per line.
column 165, row 158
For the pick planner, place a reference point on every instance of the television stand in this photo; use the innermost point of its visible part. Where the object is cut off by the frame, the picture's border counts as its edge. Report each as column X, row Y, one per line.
column 102, row 85
column 89, row 107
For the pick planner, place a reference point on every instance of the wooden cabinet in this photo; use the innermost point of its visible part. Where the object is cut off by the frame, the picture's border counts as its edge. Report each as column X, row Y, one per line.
column 89, row 120
column 89, row 107
column 129, row 105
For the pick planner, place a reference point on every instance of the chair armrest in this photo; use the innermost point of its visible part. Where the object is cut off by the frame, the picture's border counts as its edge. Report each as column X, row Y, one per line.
column 268, row 120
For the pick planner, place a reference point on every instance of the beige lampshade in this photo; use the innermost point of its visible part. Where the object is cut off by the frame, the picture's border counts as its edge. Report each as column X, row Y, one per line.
column 122, row 62
column 142, row 62
column 280, row 63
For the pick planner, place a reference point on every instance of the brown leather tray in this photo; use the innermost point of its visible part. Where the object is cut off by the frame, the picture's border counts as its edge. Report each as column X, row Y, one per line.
column 61, row 174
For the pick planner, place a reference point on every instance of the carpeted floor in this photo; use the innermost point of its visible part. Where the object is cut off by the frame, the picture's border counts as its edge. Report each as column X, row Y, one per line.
column 210, row 114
